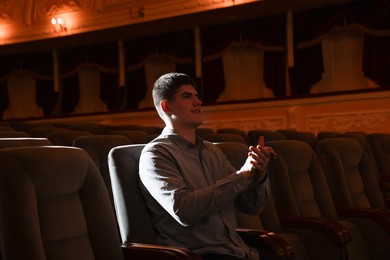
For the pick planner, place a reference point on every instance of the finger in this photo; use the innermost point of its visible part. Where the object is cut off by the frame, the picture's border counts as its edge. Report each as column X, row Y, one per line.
column 260, row 141
column 274, row 154
column 268, row 151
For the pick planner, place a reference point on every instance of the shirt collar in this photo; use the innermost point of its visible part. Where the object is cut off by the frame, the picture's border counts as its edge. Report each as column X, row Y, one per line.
column 179, row 140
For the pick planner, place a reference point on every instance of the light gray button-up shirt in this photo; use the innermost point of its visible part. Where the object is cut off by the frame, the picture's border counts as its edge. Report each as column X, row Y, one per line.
column 192, row 192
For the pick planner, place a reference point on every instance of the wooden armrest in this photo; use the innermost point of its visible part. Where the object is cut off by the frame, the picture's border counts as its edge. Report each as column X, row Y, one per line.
column 148, row 251
column 331, row 228
column 266, row 241
column 378, row 215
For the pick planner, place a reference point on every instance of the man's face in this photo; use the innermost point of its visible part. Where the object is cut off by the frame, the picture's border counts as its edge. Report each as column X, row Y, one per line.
column 186, row 110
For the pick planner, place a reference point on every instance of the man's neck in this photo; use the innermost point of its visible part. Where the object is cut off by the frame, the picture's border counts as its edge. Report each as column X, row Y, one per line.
column 187, row 133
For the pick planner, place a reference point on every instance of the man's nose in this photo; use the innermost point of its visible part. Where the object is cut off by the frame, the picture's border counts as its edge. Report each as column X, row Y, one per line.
column 198, row 101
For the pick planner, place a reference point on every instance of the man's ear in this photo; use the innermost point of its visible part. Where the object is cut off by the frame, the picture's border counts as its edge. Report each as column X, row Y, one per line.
column 165, row 106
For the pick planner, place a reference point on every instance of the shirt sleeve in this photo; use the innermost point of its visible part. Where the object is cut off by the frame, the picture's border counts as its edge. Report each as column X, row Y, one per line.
column 253, row 199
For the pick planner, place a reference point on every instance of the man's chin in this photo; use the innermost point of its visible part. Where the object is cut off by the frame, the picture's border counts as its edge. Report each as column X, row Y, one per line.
column 197, row 124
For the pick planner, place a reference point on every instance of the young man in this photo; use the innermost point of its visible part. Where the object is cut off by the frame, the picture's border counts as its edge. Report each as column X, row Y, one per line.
column 189, row 186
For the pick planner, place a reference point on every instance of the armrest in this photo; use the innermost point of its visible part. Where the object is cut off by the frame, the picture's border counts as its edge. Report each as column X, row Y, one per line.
column 378, row 215
column 266, row 241
column 331, row 228
column 147, row 251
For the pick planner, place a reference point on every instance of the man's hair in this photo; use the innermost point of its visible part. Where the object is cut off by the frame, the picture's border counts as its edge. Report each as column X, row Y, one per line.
column 167, row 85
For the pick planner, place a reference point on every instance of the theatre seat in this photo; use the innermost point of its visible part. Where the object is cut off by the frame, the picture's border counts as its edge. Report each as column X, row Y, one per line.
column 43, row 131
column 380, row 146
column 269, row 135
column 66, row 137
column 225, row 137
column 9, row 134
column 237, row 153
column 304, row 204
column 362, row 138
column 54, row 205
column 304, row 136
column 98, row 147
column 136, row 136
column 233, row 130
column 327, row 134
column 204, row 131
column 133, row 216
column 355, row 191
column 6, row 128
column 23, row 141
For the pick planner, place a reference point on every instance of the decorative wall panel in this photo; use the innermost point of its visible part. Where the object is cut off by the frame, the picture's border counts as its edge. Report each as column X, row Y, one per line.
column 353, row 121
column 249, row 124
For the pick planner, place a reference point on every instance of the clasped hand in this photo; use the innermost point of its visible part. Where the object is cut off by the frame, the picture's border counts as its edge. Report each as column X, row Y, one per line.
column 257, row 161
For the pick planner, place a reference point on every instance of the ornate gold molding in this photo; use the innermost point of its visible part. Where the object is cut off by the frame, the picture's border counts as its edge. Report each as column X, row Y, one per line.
column 89, row 15
column 354, row 121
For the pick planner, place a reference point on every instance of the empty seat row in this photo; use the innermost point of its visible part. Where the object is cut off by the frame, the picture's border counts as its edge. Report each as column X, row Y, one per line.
column 285, row 225
column 310, row 199
column 62, row 216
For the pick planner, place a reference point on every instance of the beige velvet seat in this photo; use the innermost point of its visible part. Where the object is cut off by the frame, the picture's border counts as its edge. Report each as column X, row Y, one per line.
column 326, row 134
column 44, row 131
column 204, row 131
column 98, row 147
column 362, row 138
column 133, row 216
column 23, row 141
column 8, row 134
column 225, row 137
column 302, row 199
column 269, row 135
column 356, row 192
column 66, row 137
column 54, row 205
column 6, row 128
column 232, row 130
column 305, row 136
column 136, row 136
column 96, row 129
column 380, row 146
column 268, row 219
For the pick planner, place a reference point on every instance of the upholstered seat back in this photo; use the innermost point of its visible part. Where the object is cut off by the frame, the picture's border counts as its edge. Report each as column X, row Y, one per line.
column 225, row 137
column 66, row 137
column 44, row 131
column 307, row 137
column 298, row 184
column 24, row 141
column 269, row 135
column 54, row 205
column 98, row 147
column 136, row 136
column 237, row 153
column 133, row 216
column 380, row 145
column 350, row 174
column 362, row 140
column 10, row 134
